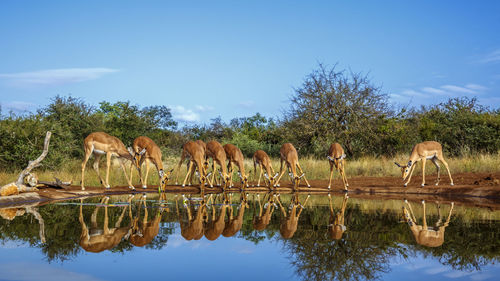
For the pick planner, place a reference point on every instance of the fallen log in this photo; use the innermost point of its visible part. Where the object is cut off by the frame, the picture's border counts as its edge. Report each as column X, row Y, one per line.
column 19, row 185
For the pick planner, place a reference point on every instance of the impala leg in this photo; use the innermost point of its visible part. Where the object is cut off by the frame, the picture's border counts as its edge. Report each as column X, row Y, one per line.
column 424, row 225
column 281, row 174
column 438, row 168
column 411, row 211
column 331, row 174
column 302, row 172
column 449, row 214
column 281, row 206
column 213, row 173
column 447, row 168
column 346, row 184
column 96, row 168
column 131, row 171
column 423, row 172
column 84, row 163
column 120, row 218
column 106, row 219
column 260, row 175
column 412, row 168
column 145, row 184
column 187, row 175
column 124, row 172
column 230, row 168
column 438, row 223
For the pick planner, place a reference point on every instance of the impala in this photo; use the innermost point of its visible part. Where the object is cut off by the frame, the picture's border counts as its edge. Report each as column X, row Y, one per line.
column 193, row 227
column 215, row 226
column 100, row 143
column 234, row 224
column 428, row 150
column 235, row 156
column 288, row 154
column 288, row 226
column 143, row 232
column 194, row 152
column 424, row 235
column 336, row 228
column 217, row 153
column 261, row 158
column 149, row 152
column 336, row 157
column 261, row 221
column 96, row 239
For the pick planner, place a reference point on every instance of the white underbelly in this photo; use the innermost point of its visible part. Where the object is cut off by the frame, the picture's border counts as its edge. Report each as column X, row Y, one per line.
column 430, row 157
column 97, row 151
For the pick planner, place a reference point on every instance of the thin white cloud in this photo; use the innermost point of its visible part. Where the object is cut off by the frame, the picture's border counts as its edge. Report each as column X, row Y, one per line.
column 458, row 89
column 182, row 114
column 40, row 272
column 476, row 87
column 203, row 108
column 413, row 93
column 431, row 90
column 492, row 57
column 51, row 77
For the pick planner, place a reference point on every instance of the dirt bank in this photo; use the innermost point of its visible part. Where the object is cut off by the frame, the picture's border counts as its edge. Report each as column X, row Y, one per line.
column 479, row 189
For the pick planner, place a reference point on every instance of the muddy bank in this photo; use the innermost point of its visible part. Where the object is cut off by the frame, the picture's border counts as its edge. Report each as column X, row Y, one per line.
column 480, row 189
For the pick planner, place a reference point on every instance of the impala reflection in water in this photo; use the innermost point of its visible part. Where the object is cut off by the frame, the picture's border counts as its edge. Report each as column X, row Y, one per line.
column 287, row 236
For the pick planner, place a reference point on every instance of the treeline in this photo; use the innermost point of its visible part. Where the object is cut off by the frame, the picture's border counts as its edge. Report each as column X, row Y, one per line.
column 330, row 106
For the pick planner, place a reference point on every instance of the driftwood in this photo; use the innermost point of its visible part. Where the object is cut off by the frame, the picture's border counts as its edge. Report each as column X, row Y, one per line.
column 19, row 186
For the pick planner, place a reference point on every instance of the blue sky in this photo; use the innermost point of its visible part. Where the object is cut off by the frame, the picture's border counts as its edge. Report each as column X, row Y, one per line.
column 235, row 58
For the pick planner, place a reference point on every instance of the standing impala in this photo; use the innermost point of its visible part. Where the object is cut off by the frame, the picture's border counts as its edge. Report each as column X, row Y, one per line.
column 427, row 150
column 194, row 152
column 261, row 158
column 217, row 153
column 336, row 157
column 235, row 156
column 289, row 155
column 99, row 143
column 149, row 152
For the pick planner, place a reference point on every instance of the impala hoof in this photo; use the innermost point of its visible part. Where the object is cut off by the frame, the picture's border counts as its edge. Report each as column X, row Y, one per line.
column 452, row 204
column 328, row 187
column 405, row 184
column 422, row 185
column 347, row 185
column 308, row 185
column 436, row 184
column 451, row 184
column 83, row 188
column 406, row 201
column 131, row 187
column 144, row 186
column 183, row 185
column 423, row 201
column 107, row 187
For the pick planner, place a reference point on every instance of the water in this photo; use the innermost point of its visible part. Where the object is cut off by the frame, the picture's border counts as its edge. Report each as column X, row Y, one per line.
column 290, row 238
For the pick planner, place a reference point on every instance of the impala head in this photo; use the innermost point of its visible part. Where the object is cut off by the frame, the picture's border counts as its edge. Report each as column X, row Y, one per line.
column 336, row 231
column 296, row 179
column 405, row 169
column 164, row 178
column 271, row 179
column 137, row 157
column 336, row 160
column 244, row 179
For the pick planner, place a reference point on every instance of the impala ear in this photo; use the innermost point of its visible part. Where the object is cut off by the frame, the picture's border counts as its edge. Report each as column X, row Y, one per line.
column 276, row 175
column 265, row 175
column 409, row 163
column 303, row 174
column 397, row 164
column 343, row 156
column 131, row 151
column 171, row 171
column 329, row 158
column 142, row 151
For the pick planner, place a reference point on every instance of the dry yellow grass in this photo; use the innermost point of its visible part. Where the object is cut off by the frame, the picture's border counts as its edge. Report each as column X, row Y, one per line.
column 314, row 169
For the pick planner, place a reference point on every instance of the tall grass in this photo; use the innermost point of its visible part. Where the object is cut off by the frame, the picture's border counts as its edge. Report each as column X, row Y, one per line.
column 314, row 169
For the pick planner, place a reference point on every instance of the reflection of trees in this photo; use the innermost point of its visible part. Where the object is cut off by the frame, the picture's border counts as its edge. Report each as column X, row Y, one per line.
column 363, row 252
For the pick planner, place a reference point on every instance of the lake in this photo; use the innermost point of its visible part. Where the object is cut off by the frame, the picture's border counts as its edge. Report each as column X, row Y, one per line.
column 248, row 237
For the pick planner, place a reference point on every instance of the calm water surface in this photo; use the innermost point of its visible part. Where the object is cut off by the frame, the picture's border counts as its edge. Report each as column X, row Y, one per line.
column 266, row 237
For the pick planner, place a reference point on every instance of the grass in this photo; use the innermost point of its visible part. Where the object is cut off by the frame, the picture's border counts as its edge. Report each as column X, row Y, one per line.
column 314, row 169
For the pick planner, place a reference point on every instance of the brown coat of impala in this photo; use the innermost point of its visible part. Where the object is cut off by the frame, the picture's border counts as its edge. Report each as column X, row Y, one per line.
column 235, row 156
column 337, row 227
column 192, row 229
column 336, row 158
column 215, row 226
column 261, row 158
column 424, row 235
column 427, row 150
column 261, row 221
column 288, row 155
column 143, row 232
column 218, row 155
column 95, row 239
column 194, row 152
column 289, row 224
column 100, row 143
column 149, row 153
column 233, row 225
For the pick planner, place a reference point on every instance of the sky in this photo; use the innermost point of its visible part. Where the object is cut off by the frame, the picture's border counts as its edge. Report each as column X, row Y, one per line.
column 205, row 59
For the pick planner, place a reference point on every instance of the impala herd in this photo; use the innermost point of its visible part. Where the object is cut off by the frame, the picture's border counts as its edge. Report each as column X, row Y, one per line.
column 227, row 157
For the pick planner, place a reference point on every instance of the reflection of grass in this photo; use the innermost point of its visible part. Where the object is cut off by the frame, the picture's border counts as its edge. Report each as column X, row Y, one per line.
column 314, row 169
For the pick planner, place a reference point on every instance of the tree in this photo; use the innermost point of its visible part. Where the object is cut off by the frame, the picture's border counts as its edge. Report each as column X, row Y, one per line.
column 334, row 105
